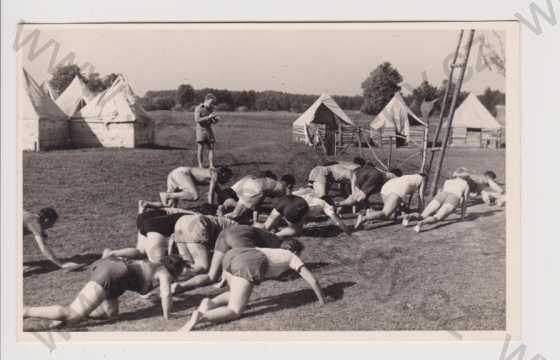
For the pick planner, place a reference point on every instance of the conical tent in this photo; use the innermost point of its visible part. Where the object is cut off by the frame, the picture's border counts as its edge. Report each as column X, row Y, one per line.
column 474, row 125
column 324, row 111
column 42, row 124
column 472, row 114
column 112, row 118
column 396, row 118
column 74, row 97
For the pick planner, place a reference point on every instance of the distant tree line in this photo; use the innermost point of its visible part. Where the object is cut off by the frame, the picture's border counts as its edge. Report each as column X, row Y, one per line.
column 186, row 98
column 63, row 76
column 383, row 82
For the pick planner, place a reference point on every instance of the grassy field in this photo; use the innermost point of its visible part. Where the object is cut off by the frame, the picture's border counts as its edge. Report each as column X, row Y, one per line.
column 384, row 277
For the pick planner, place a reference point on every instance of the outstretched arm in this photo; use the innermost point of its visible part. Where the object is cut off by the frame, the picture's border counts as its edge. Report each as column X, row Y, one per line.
column 313, row 283
column 46, row 251
column 272, row 220
column 464, row 199
column 165, row 293
column 213, row 186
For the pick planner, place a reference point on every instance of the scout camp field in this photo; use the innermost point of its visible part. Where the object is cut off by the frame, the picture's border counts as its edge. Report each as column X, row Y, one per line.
column 384, row 277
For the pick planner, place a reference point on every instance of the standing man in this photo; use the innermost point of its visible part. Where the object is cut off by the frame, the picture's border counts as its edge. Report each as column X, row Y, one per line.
column 204, row 117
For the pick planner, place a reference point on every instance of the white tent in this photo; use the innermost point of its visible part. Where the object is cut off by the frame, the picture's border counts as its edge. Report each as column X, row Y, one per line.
column 74, row 97
column 327, row 115
column 42, row 124
column 113, row 118
column 474, row 125
column 396, row 118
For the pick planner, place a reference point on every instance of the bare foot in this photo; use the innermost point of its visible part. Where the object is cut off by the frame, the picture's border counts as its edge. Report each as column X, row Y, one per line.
column 192, row 322
column 359, row 222
column 106, row 253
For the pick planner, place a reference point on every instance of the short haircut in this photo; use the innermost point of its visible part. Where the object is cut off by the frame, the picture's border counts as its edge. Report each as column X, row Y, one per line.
column 289, row 179
column 396, row 171
column 293, row 245
column 269, row 174
column 210, row 96
column 490, row 174
column 174, row 264
column 224, row 174
column 359, row 161
column 47, row 216
column 225, row 194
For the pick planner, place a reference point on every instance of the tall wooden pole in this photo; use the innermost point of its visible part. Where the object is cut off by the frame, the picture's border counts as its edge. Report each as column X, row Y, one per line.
column 451, row 114
column 444, row 102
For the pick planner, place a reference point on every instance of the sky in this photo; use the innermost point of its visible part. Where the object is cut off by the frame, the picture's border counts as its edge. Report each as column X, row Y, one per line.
column 290, row 57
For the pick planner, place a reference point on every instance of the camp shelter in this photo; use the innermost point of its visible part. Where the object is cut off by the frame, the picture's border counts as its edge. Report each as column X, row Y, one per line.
column 74, row 97
column 474, row 126
column 324, row 122
column 41, row 123
column 397, row 123
column 113, row 118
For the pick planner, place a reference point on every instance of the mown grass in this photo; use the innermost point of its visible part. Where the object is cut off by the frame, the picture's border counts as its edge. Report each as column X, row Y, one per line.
column 384, row 277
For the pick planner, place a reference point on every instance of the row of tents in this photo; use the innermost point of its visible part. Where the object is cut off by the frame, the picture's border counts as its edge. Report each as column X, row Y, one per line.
column 324, row 121
column 79, row 117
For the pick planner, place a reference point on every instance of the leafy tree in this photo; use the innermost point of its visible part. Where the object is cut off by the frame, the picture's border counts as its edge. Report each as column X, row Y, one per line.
column 490, row 98
column 185, row 95
column 462, row 96
column 424, row 92
column 63, row 76
column 380, row 87
column 163, row 103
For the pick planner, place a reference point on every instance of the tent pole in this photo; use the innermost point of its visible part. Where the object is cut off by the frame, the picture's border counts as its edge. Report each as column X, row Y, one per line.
column 445, row 97
column 390, row 151
column 425, row 145
column 456, row 93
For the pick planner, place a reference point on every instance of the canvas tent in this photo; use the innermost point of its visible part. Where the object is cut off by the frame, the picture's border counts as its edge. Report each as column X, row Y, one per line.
column 113, row 118
column 397, row 122
column 74, row 97
column 42, row 125
column 473, row 125
column 325, row 122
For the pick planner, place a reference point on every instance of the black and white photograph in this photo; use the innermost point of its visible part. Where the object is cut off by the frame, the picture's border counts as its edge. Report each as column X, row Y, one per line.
column 285, row 177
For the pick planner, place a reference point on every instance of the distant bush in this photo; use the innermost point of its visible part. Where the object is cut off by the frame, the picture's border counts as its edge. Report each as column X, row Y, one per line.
column 242, row 109
column 223, row 107
column 163, row 103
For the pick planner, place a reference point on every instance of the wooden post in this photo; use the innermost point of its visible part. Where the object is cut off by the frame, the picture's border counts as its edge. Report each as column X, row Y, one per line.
column 390, row 151
column 426, row 109
column 445, row 97
column 451, row 115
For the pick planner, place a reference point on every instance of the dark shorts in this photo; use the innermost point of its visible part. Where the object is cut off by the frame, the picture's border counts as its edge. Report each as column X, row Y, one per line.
column 164, row 225
column 443, row 197
column 245, row 236
column 292, row 207
column 369, row 180
column 140, row 218
column 205, row 135
column 247, row 263
column 112, row 274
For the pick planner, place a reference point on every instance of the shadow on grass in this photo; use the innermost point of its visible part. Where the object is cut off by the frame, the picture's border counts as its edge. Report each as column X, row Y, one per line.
column 328, row 231
column 294, row 299
column 186, row 301
column 162, row 147
column 45, row 266
column 250, row 163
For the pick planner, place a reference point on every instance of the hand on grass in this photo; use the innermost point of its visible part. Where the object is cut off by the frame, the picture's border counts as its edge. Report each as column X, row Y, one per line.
column 70, row 266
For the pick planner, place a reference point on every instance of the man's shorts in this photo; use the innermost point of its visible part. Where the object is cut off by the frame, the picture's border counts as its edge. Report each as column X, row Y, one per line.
column 247, row 263
column 180, row 181
column 444, row 197
column 112, row 274
column 205, row 135
column 191, row 230
column 293, row 208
